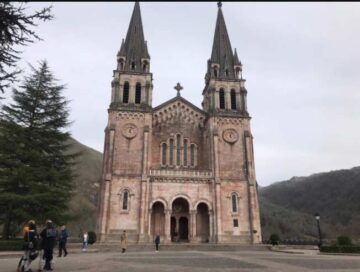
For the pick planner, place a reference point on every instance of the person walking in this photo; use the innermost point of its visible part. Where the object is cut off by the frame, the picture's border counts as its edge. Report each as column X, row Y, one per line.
column 85, row 241
column 63, row 235
column 48, row 235
column 157, row 242
column 30, row 244
column 124, row 241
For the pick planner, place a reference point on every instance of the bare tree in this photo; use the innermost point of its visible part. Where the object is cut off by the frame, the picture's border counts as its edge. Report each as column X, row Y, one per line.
column 16, row 29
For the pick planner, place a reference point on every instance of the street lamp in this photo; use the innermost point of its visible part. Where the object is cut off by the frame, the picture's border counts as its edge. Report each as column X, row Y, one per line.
column 317, row 217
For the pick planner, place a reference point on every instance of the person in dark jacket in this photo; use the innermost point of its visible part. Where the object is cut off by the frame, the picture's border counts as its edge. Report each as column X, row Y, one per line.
column 63, row 235
column 157, row 242
column 30, row 244
column 48, row 235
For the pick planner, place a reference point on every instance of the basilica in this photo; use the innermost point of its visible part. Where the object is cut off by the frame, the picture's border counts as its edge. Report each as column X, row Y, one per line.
column 176, row 170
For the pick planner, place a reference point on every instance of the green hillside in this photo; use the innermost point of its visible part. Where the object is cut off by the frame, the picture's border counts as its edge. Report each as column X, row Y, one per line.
column 288, row 207
column 83, row 205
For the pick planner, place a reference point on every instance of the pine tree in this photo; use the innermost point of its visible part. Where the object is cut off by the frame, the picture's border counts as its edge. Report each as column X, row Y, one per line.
column 35, row 167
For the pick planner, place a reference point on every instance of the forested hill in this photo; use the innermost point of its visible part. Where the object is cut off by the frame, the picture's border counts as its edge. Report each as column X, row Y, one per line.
column 288, row 207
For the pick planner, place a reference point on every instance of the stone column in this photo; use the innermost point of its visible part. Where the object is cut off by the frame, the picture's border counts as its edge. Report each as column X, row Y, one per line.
column 121, row 92
column 193, row 225
column 211, row 226
column 143, row 203
column 104, row 215
column 217, row 100
column 238, row 101
column 227, row 99
column 217, row 187
column 149, row 223
column 167, row 225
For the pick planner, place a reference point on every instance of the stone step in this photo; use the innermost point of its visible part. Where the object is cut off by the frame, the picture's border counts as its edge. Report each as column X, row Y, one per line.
column 103, row 247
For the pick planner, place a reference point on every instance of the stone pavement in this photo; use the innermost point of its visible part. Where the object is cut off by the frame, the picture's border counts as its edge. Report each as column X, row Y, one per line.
column 196, row 261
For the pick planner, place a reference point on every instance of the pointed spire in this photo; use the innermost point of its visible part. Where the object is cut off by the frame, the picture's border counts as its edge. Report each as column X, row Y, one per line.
column 134, row 47
column 122, row 49
column 222, row 53
column 236, row 58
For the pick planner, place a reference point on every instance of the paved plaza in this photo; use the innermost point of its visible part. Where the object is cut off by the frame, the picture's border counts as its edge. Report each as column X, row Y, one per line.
column 196, row 261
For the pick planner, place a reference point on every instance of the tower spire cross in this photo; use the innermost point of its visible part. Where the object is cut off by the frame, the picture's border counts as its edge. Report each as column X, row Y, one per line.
column 178, row 88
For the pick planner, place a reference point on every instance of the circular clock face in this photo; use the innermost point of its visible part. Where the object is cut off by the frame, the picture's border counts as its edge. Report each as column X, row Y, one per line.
column 129, row 131
column 230, row 135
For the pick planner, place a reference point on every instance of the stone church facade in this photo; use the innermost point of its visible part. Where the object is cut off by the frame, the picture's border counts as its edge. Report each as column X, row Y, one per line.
column 176, row 170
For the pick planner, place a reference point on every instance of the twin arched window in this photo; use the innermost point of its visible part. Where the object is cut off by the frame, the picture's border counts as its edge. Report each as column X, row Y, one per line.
column 232, row 99
column 126, row 93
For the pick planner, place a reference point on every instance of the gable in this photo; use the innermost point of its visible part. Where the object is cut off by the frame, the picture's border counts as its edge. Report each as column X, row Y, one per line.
column 178, row 108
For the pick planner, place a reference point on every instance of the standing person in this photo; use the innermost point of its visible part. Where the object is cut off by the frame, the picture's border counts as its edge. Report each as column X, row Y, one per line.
column 63, row 235
column 85, row 241
column 124, row 241
column 30, row 244
column 157, row 242
column 48, row 235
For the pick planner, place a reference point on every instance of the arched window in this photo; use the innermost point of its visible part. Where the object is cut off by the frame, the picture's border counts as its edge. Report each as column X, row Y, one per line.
column 121, row 64
column 145, row 64
column 125, row 200
column 126, row 93
column 164, row 149
column 132, row 66
column 233, row 99
column 226, row 72
column 234, row 203
column 178, row 150
column 171, row 152
column 215, row 72
column 138, row 93
column 222, row 99
column 185, row 151
column 192, row 155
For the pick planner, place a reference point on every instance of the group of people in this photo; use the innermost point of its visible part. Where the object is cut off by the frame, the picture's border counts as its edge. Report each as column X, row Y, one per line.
column 124, row 242
column 33, row 241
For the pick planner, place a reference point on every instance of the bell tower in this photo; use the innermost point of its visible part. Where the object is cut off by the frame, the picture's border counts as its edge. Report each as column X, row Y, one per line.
column 132, row 79
column 224, row 92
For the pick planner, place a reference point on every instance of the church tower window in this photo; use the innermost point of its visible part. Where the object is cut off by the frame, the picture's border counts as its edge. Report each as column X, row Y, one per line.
column 138, row 93
column 164, row 149
column 132, row 65
column 178, row 150
column 234, row 208
column 126, row 93
column 222, row 99
column 233, row 99
column 125, row 201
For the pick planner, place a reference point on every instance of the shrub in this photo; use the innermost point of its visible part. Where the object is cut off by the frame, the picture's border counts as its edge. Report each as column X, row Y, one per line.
column 92, row 237
column 344, row 240
column 11, row 245
column 274, row 239
column 340, row 249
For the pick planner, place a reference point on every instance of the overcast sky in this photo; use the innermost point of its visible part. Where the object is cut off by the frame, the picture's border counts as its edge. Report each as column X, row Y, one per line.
column 301, row 62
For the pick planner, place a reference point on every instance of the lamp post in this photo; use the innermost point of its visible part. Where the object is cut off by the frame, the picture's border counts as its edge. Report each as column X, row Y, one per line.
column 317, row 217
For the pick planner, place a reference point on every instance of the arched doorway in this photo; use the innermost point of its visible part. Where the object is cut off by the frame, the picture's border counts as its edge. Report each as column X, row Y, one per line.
column 180, row 220
column 158, row 219
column 202, row 223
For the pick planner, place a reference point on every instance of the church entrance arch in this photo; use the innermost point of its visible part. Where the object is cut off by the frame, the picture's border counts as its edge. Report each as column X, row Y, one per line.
column 158, row 219
column 180, row 220
column 202, row 222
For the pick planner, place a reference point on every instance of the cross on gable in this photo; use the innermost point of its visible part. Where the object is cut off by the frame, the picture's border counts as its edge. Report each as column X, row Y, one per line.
column 178, row 88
